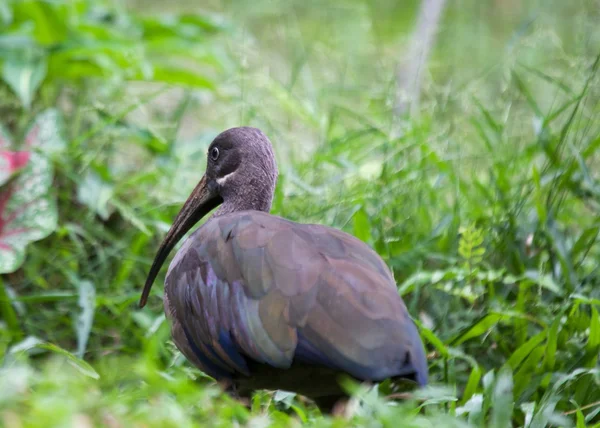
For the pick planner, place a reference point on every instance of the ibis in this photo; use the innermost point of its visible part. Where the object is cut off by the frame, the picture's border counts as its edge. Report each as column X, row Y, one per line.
column 260, row 302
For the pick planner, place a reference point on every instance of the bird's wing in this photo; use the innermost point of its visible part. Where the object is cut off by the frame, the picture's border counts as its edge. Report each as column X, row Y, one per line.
column 252, row 285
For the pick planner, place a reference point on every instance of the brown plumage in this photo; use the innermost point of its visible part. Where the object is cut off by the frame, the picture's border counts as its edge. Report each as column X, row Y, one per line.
column 261, row 302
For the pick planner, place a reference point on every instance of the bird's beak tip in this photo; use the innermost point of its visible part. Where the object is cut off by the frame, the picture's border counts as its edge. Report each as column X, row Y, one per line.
column 143, row 300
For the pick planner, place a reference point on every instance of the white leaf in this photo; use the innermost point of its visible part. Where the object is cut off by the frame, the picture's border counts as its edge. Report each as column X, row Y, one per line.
column 24, row 77
column 85, row 319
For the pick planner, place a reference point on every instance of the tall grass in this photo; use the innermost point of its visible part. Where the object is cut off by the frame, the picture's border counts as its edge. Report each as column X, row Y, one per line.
column 485, row 206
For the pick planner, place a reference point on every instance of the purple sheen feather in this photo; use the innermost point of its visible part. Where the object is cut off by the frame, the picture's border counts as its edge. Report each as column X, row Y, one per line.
column 240, row 329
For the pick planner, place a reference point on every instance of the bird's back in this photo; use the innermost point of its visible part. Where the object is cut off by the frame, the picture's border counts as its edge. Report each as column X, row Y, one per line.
column 250, row 292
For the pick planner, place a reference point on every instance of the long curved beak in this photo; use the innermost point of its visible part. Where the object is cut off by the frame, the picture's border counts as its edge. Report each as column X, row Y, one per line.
column 203, row 199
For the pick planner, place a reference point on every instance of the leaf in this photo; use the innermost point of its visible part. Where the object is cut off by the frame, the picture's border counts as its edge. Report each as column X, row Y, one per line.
column 85, row 319
column 8, row 310
column 96, row 193
column 524, row 350
column 361, row 225
column 11, row 163
column 285, row 397
column 524, row 377
column 129, row 214
column 527, row 94
column 5, row 140
column 433, row 339
column 472, row 384
column 473, row 407
column 434, row 395
column 33, row 342
column 585, row 300
column 6, row 15
column 24, row 76
column 551, row 345
column 546, row 415
column 180, row 76
column 502, row 406
column 585, row 241
column 478, row 328
column 27, row 212
column 25, row 345
column 27, row 209
column 558, row 241
column 202, row 22
column 528, row 409
column 593, row 343
column 46, row 133
column 543, row 280
column 539, row 196
column 49, row 19
column 580, row 419
column 469, row 245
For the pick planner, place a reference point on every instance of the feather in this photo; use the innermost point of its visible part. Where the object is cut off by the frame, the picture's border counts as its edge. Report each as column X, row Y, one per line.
column 253, row 292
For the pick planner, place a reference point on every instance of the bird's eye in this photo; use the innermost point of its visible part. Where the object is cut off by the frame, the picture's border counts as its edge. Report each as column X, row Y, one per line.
column 214, row 153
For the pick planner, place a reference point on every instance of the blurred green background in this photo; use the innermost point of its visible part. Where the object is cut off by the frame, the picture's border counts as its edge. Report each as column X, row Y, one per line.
column 463, row 150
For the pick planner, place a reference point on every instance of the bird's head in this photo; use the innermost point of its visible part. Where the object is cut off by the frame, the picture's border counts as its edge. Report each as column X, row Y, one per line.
column 241, row 174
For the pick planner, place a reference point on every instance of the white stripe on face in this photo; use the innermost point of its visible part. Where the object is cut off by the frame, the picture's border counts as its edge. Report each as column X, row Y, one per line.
column 222, row 180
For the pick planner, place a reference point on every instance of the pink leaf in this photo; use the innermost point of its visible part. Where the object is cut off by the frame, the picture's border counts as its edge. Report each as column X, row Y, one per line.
column 46, row 133
column 31, row 139
column 15, row 160
column 27, row 207
column 10, row 163
column 27, row 211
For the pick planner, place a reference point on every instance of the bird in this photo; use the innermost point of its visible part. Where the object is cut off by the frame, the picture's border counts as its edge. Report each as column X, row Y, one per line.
column 259, row 302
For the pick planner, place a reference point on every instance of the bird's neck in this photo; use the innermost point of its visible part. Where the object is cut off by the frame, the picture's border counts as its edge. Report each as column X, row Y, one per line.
column 242, row 202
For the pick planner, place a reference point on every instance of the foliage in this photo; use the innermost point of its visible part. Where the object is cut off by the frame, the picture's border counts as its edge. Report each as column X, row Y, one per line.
column 51, row 42
column 485, row 206
column 27, row 207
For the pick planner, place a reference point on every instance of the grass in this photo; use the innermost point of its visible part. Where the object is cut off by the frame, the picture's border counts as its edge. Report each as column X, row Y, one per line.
column 485, row 206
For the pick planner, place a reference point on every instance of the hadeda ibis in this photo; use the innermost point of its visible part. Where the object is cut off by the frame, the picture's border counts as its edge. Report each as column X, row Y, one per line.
column 260, row 302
